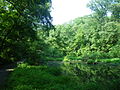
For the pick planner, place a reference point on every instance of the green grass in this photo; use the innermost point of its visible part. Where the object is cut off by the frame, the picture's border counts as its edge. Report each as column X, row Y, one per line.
column 66, row 58
column 78, row 77
column 54, row 59
column 27, row 77
column 112, row 60
column 92, row 61
column 69, row 58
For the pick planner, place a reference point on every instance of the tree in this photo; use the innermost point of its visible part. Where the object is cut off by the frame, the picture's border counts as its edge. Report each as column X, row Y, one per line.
column 103, row 7
column 86, row 37
column 115, row 9
column 19, row 20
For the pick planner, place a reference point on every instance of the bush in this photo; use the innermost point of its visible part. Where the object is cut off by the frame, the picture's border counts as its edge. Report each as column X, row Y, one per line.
column 115, row 51
column 69, row 58
column 95, row 55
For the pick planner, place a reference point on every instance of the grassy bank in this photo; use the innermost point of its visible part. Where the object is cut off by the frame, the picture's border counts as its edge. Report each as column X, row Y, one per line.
column 54, row 59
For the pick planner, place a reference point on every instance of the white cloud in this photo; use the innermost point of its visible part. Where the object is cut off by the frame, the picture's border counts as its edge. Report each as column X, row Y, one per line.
column 66, row 10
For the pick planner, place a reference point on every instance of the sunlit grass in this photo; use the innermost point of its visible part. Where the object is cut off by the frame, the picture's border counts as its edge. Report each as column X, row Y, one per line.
column 54, row 59
column 112, row 60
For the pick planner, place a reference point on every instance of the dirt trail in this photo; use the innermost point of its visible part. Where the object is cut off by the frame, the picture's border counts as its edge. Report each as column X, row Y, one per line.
column 4, row 72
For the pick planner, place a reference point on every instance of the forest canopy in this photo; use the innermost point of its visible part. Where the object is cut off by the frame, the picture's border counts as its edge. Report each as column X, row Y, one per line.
column 93, row 36
column 26, row 32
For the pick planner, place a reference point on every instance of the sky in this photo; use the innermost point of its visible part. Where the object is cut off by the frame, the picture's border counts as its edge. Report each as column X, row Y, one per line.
column 66, row 10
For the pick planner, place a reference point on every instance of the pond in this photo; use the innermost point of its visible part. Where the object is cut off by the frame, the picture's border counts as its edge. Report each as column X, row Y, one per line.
column 103, row 74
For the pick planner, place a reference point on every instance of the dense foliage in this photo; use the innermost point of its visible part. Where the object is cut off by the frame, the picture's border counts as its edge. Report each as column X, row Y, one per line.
column 24, row 32
column 19, row 20
column 90, row 37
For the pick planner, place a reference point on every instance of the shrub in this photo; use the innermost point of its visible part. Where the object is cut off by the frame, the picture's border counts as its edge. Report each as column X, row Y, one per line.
column 115, row 51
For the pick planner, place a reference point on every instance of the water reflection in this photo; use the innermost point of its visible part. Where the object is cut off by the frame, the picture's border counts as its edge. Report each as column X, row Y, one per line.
column 104, row 73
